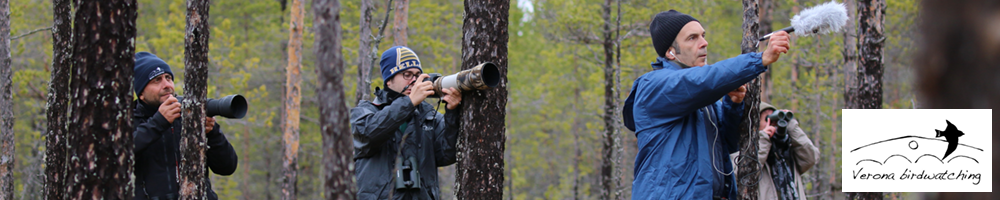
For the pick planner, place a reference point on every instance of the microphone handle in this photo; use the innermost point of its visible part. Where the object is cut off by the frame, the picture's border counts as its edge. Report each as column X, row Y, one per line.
column 786, row 29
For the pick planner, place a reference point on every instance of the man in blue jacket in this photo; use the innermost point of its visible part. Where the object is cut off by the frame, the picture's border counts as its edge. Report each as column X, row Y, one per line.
column 685, row 132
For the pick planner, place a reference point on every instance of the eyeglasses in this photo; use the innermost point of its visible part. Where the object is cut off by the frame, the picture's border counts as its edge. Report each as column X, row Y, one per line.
column 407, row 75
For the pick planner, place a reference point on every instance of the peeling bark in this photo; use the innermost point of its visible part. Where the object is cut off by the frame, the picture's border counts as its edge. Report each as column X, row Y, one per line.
column 293, row 100
column 192, row 172
column 100, row 146
column 481, row 138
column 338, row 150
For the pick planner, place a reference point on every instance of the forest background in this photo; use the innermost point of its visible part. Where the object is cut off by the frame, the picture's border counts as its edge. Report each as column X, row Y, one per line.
column 556, row 82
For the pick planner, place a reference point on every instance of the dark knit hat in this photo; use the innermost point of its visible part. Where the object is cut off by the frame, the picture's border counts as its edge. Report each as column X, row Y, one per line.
column 397, row 59
column 147, row 67
column 665, row 27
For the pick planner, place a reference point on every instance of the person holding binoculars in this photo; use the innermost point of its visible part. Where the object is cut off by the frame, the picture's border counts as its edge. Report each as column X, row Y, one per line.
column 785, row 153
column 400, row 140
column 156, row 118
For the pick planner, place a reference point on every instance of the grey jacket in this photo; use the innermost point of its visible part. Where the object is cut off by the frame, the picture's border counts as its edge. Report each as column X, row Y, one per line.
column 806, row 155
column 379, row 126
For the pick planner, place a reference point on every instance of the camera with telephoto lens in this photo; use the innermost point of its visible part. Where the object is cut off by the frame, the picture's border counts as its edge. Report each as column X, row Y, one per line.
column 781, row 118
column 483, row 76
column 232, row 106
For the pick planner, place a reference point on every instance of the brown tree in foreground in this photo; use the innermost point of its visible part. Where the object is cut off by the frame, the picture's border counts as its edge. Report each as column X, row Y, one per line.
column 481, row 138
column 957, row 64
column 293, row 100
column 338, row 149
column 191, row 172
column 100, row 146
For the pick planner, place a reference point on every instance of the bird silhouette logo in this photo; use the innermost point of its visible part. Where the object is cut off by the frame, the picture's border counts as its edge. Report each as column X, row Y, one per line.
column 950, row 133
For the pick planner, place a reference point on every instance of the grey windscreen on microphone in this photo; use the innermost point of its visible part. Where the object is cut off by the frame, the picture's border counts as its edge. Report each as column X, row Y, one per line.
column 821, row 19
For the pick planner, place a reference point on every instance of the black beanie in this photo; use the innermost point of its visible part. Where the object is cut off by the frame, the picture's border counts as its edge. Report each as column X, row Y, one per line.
column 665, row 27
column 147, row 67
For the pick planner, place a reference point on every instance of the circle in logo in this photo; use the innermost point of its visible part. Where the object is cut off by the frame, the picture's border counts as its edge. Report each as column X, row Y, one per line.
column 913, row 144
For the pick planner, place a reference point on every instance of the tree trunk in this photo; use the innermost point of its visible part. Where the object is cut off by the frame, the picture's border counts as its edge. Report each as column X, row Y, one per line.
column 748, row 173
column 399, row 22
column 610, row 159
column 365, row 53
column 957, row 64
column 865, row 91
column 192, row 173
column 293, row 99
column 481, row 141
column 338, row 150
column 55, row 113
column 101, row 113
column 766, row 7
column 6, row 107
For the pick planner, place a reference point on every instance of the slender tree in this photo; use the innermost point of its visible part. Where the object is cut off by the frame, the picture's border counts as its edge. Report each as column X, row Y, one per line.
column 338, row 151
column 611, row 157
column 399, row 25
column 482, row 139
column 191, row 173
column 865, row 90
column 365, row 53
column 55, row 113
column 100, row 148
column 6, row 107
column 748, row 169
column 293, row 99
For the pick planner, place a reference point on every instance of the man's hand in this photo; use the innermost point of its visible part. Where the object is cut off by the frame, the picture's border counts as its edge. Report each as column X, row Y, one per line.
column 170, row 109
column 420, row 90
column 775, row 46
column 209, row 124
column 737, row 95
column 453, row 97
column 768, row 128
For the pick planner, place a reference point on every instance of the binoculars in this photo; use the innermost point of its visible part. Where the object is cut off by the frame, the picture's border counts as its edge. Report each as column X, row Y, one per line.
column 407, row 175
column 481, row 77
column 782, row 117
column 232, row 106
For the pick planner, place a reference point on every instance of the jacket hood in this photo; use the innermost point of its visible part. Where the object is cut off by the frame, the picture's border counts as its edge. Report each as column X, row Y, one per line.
column 766, row 106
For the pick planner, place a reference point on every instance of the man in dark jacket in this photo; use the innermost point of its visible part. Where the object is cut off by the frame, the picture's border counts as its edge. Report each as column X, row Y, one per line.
column 686, row 114
column 405, row 170
column 157, row 118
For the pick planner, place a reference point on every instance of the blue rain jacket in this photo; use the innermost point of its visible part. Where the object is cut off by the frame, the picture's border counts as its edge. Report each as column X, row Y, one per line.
column 685, row 132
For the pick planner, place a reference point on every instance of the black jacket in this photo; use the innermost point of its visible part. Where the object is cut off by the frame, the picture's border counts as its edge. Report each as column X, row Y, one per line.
column 157, row 155
column 376, row 127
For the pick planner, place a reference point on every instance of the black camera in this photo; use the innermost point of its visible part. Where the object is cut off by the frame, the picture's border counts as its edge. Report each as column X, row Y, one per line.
column 483, row 76
column 232, row 106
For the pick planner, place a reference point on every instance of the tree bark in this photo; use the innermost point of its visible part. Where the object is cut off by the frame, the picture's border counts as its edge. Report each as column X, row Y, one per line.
column 293, row 99
column 748, row 173
column 192, row 173
column 55, row 113
column 481, row 141
column 100, row 149
column 399, row 22
column 865, row 91
column 766, row 7
column 338, row 151
column 6, row 107
column 365, row 53
column 610, row 159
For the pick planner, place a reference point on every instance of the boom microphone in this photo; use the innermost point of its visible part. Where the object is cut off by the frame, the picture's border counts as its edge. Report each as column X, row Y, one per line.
column 821, row 19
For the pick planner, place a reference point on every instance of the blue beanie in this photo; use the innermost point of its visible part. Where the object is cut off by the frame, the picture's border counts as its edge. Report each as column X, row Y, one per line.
column 147, row 67
column 397, row 59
